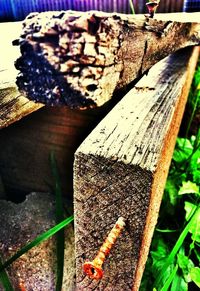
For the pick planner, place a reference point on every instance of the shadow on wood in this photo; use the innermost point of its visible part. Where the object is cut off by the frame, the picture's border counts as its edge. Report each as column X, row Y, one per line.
column 26, row 146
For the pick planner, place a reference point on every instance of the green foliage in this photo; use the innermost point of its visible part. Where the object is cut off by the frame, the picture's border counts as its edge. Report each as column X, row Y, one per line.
column 195, row 275
column 4, row 279
column 174, row 259
column 60, row 236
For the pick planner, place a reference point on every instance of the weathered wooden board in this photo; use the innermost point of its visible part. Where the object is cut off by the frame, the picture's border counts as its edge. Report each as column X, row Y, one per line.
column 121, row 168
column 13, row 105
column 26, row 146
column 69, row 58
column 129, row 45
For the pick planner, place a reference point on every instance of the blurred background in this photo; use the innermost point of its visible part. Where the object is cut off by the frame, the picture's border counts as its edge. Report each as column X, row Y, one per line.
column 13, row 10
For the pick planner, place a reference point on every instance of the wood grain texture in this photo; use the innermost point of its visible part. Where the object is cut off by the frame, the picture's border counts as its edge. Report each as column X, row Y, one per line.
column 79, row 59
column 26, row 146
column 13, row 105
column 121, row 168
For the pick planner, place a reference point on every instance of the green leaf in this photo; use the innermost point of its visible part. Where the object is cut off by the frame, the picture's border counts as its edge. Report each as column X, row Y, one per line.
column 194, row 167
column 183, row 150
column 44, row 236
column 195, row 225
column 179, row 283
column 170, row 279
column 188, row 188
column 159, row 258
column 159, row 255
column 195, row 275
column 172, row 190
column 197, row 254
column 175, row 249
column 60, row 236
column 189, row 208
column 166, row 230
column 5, row 279
column 186, row 265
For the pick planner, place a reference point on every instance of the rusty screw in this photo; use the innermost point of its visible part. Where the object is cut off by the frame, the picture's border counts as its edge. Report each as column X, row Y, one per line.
column 94, row 269
column 152, row 6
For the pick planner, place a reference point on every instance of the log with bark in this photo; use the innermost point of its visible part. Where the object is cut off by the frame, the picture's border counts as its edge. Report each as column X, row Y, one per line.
column 121, row 49
column 120, row 171
column 79, row 59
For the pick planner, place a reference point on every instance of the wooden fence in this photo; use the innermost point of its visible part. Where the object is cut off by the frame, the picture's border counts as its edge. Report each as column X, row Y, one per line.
column 17, row 10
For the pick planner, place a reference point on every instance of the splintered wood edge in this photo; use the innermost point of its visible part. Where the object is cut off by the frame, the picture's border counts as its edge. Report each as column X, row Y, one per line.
column 162, row 170
column 13, row 105
column 16, row 107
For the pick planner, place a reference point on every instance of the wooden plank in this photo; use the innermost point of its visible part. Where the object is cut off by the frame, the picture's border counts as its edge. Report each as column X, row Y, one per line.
column 120, row 171
column 26, row 145
column 68, row 58
column 13, row 105
column 123, row 47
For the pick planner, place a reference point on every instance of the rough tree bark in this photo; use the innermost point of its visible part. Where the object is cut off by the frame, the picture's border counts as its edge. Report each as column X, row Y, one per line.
column 80, row 59
column 121, row 168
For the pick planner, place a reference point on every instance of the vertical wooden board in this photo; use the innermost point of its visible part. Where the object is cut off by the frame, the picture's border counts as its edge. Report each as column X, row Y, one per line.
column 121, row 168
column 26, row 146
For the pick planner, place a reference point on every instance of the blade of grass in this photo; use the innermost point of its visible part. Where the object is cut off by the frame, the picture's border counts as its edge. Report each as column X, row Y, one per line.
column 5, row 279
column 170, row 279
column 131, row 6
column 44, row 236
column 165, row 230
column 175, row 249
column 60, row 236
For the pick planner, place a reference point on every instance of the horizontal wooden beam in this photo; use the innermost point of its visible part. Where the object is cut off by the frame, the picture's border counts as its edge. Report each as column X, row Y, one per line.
column 80, row 59
column 120, row 171
column 13, row 105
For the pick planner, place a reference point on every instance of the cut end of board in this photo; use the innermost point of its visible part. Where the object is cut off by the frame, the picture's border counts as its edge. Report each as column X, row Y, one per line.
column 69, row 58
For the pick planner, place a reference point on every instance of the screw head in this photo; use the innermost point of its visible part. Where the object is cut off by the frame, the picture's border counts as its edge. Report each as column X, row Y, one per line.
column 152, row 6
column 92, row 270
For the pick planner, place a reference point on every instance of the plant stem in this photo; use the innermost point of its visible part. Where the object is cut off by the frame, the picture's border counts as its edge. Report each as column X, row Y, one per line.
column 170, row 279
column 132, row 6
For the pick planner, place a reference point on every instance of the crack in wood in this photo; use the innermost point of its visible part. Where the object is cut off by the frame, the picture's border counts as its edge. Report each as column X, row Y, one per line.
column 90, row 49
